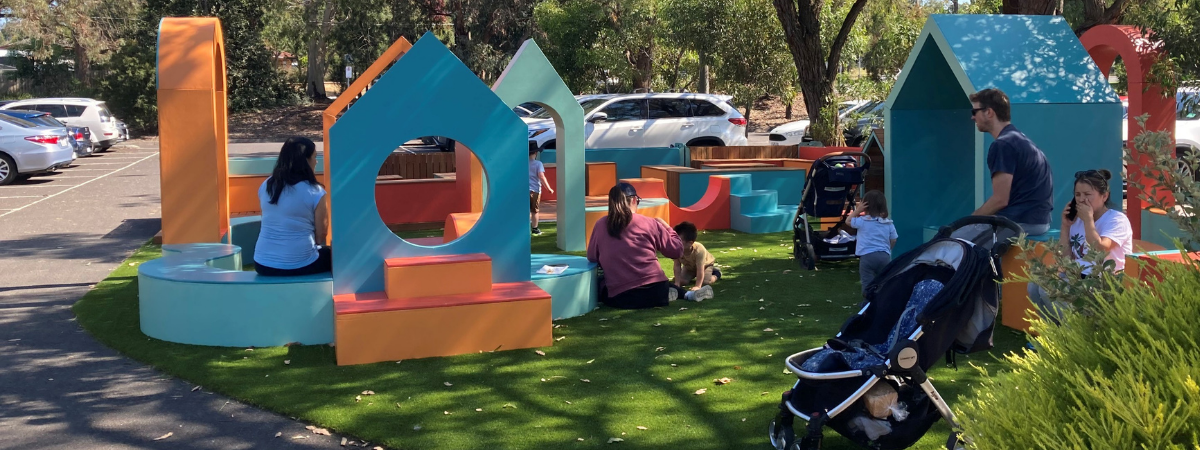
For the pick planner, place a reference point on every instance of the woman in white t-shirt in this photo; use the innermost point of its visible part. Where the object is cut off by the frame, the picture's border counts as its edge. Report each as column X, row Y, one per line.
column 1089, row 224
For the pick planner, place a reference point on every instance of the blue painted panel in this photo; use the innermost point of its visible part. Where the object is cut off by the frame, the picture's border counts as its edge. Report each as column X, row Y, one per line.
column 572, row 293
column 630, row 160
column 1160, row 229
column 1055, row 130
column 930, row 83
column 261, row 165
column 427, row 92
column 1033, row 59
column 789, row 184
column 931, row 173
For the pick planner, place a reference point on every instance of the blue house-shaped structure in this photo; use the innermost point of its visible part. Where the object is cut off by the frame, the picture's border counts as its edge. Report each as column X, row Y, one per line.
column 935, row 158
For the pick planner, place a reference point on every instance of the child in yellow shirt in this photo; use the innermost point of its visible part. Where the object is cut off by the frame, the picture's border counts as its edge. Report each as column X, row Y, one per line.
column 696, row 265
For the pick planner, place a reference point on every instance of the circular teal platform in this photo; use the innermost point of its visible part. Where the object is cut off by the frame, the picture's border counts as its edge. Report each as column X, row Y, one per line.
column 196, row 294
column 572, row 293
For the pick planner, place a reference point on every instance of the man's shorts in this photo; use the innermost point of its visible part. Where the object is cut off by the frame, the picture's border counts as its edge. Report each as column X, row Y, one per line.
column 534, row 199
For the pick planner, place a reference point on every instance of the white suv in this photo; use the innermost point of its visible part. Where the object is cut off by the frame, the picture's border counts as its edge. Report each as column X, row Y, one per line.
column 79, row 112
column 648, row 120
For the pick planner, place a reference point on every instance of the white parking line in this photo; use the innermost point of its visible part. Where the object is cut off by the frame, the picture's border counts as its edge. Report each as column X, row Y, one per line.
column 78, row 185
column 24, row 196
column 89, row 163
column 56, row 177
column 74, row 169
column 36, row 186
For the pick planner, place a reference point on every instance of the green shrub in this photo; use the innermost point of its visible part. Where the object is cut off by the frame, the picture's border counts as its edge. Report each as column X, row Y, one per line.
column 1126, row 376
column 1122, row 370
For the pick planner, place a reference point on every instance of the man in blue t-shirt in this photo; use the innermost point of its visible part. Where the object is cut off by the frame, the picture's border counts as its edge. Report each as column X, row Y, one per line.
column 1022, row 183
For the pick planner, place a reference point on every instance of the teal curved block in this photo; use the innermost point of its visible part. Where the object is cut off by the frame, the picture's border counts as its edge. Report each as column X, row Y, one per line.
column 574, row 292
column 530, row 77
column 427, row 92
column 197, row 294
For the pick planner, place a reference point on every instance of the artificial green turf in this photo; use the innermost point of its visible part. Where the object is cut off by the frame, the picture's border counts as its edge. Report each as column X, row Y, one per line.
column 642, row 368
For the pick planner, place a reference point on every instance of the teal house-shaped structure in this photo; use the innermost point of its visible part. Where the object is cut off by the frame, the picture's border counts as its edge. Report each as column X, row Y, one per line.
column 935, row 158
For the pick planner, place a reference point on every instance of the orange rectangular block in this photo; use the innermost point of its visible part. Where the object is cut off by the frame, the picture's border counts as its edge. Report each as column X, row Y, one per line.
column 1014, row 297
column 437, row 275
column 515, row 315
column 601, row 176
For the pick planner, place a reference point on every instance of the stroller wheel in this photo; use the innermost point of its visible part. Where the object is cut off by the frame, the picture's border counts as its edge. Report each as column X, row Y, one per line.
column 806, row 256
column 782, row 436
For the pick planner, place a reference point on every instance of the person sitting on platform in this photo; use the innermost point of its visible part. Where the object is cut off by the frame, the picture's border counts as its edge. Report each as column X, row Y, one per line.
column 626, row 246
column 294, row 215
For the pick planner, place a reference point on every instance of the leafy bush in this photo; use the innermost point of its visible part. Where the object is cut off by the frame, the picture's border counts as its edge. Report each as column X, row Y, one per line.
column 1122, row 370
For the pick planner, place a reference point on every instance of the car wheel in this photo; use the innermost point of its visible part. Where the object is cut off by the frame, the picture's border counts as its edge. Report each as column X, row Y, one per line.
column 8, row 170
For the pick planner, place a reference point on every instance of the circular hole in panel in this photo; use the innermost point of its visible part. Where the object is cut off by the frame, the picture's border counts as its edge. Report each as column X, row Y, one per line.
column 417, row 190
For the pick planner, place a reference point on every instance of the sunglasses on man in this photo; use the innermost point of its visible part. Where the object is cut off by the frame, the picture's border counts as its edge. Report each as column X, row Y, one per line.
column 975, row 111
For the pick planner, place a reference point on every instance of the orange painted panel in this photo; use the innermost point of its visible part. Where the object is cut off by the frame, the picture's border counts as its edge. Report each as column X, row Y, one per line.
column 654, row 172
column 243, row 193
column 190, row 184
column 798, row 163
column 187, row 50
column 648, row 187
column 601, row 177
column 458, row 224
column 1014, row 297
column 552, row 177
column 437, row 275
column 422, row 333
column 662, row 211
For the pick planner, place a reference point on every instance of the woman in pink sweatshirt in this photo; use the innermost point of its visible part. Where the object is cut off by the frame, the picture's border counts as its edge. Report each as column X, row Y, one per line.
column 626, row 245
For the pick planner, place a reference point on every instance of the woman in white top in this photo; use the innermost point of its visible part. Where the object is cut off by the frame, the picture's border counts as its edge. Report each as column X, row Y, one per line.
column 294, row 216
column 1089, row 224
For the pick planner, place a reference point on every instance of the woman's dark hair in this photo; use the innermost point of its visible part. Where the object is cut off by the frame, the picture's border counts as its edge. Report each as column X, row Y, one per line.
column 1097, row 179
column 876, row 204
column 686, row 231
column 292, row 166
column 619, row 214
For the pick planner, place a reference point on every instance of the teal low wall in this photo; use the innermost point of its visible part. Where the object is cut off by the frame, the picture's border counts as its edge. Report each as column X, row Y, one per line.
column 789, row 184
column 261, row 165
column 630, row 160
column 572, row 293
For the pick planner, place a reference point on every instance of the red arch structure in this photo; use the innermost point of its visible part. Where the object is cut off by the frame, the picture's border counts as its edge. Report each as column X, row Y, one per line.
column 1105, row 43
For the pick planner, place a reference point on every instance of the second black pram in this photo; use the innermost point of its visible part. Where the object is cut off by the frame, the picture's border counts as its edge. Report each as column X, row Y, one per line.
column 830, row 189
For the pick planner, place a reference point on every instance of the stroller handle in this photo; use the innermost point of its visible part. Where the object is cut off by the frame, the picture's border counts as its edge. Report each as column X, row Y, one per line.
column 993, row 221
column 865, row 161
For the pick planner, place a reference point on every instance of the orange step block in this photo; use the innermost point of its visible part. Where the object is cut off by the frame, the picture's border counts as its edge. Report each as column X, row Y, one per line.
column 372, row 328
column 426, row 276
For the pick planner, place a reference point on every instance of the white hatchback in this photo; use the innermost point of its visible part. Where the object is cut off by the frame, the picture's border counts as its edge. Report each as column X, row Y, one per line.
column 79, row 112
column 648, row 120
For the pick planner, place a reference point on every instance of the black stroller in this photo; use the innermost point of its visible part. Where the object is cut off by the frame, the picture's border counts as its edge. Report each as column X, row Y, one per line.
column 830, row 189
column 938, row 299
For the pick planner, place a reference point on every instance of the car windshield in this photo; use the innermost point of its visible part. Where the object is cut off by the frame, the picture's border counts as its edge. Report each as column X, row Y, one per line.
column 18, row 122
column 1188, row 106
column 587, row 105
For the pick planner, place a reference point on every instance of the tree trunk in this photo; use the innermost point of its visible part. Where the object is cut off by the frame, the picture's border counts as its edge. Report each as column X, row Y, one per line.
column 1095, row 12
column 816, row 74
column 314, row 87
column 703, row 81
column 83, row 65
column 1010, row 7
column 643, row 68
column 1039, row 7
column 787, row 111
column 954, row 6
column 749, row 108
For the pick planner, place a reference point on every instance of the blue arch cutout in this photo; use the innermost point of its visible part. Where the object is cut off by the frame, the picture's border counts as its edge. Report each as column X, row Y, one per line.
column 427, row 92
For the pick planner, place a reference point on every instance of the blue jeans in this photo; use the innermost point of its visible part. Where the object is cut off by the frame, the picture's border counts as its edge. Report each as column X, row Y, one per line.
column 870, row 266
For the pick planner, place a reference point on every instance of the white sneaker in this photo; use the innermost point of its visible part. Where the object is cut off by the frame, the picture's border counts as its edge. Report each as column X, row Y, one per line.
column 672, row 294
column 704, row 293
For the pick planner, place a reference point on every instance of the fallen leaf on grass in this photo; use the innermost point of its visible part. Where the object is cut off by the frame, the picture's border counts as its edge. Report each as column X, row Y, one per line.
column 579, row 439
column 540, row 353
column 315, row 430
column 657, row 324
column 642, row 428
column 591, row 361
column 165, row 435
column 509, row 405
column 448, row 383
column 446, row 413
column 344, row 441
column 287, row 362
column 559, row 338
column 195, row 388
column 299, row 437
column 279, row 434
column 478, row 409
column 683, row 309
column 659, row 349
column 724, row 380
column 357, row 398
column 701, row 391
column 368, row 393
column 764, row 393
column 603, row 319
column 611, row 440
column 768, row 330
column 585, row 380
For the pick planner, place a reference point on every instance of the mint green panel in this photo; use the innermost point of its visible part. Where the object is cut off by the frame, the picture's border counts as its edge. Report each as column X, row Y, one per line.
column 530, row 77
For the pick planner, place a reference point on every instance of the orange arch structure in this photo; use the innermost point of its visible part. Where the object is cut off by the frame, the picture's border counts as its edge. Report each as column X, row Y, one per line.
column 1105, row 43
column 192, row 123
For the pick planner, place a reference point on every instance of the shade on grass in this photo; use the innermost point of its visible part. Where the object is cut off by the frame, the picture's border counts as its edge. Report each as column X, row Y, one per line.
column 608, row 373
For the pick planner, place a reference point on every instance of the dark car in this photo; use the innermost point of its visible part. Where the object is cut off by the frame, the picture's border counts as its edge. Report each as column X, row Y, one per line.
column 81, row 137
